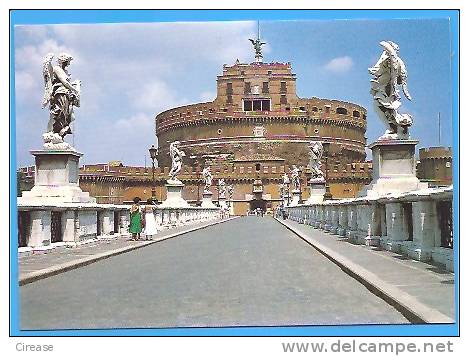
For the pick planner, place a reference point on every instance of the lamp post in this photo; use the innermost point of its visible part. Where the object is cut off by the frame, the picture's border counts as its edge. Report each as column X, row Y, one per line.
column 153, row 154
column 327, row 195
column 199, row 176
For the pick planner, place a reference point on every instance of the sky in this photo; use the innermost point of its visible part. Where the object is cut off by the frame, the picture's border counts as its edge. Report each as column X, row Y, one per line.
column 132, row 72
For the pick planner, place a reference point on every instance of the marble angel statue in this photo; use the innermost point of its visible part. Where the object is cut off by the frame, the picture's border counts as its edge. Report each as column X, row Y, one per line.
column 388, row 75
column 295, row 177
column 207, row 174
column 221, row 188
column 316, row 151
column 61, row 95
column 176, row 161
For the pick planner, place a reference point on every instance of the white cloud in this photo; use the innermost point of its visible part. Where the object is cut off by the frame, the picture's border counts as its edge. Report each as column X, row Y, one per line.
column 139, row 121
column 339, row 64
column 155, row 97
column 24, row 81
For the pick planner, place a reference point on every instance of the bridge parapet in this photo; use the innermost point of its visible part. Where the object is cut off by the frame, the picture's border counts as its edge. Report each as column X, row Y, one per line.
column 418, row 224
column 47, row 226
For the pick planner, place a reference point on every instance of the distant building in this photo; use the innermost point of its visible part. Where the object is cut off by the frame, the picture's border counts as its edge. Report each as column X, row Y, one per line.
column 435, row 166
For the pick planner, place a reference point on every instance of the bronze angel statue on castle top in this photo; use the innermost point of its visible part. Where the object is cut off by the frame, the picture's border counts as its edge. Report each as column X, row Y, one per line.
column 62, row 95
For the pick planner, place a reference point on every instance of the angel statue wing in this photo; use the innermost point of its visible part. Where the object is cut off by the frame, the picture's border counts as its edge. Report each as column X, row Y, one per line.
column 403, row 79
column 47, row 74
column 252, row 41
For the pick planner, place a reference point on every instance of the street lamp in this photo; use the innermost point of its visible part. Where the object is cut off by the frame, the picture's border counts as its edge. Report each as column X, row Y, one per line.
column 154, row 155
column 326, row 147
column 199, row 176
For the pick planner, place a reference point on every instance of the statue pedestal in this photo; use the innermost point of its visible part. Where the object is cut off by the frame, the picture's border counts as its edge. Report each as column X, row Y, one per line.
column 207, row 200
column 174, row 197
column 296, row 200
column 222, row 202
column 317, row 189
column 394, row 168
column 56, row 178
column 286, row 200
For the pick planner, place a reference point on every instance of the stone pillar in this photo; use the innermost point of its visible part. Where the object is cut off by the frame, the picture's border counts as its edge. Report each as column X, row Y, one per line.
column 342, row 220
column 311, row 212
column 426, row 230
column 326, row 221
column 373, row 237
column 368, row 225
column 395, row 226
column 124, row 222
column 107, row 222
column 71, row 231
column 40, row 228
column 351, row 222
column 334, row 219
column 166, row 219
column 318, row 216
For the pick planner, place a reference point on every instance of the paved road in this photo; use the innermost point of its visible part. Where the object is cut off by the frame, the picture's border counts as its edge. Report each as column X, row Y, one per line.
column 249, row 271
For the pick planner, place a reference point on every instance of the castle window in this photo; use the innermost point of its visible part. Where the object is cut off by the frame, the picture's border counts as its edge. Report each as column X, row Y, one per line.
column 229, row 88
column 283, row 99
column 341, row 111
column 269, row 72
column 302, row 108
column 258, row 167
column 229, row 99
column 242, row 72
column 328, row 109
column 256, row 105
column 283, row 87
column 314, row 109
column 265, row 87
column 356, row 113
column 247, row 88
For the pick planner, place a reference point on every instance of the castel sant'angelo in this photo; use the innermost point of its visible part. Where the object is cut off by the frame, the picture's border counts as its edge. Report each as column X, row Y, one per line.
column 257, row 128
column 254, row 131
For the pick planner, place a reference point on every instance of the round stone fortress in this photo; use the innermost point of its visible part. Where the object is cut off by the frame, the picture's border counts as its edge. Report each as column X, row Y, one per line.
column 258, row 112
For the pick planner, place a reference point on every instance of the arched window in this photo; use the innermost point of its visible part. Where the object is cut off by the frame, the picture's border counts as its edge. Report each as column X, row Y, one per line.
column 356, row 113
column 342, row 111
column 314, row 108
column 258, row 167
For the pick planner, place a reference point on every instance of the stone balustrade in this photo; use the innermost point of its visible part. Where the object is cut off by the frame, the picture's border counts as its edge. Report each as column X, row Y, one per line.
column 418, row 224
column 42, row 227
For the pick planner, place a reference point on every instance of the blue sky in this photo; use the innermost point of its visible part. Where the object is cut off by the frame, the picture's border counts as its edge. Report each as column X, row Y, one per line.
column 131, row 72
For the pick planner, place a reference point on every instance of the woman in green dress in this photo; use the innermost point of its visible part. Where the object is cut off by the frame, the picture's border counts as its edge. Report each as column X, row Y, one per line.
column 135, row 220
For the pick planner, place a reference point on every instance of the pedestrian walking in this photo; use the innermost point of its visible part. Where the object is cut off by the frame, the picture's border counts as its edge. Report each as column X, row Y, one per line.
column 136, row 221
column 150, row 221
